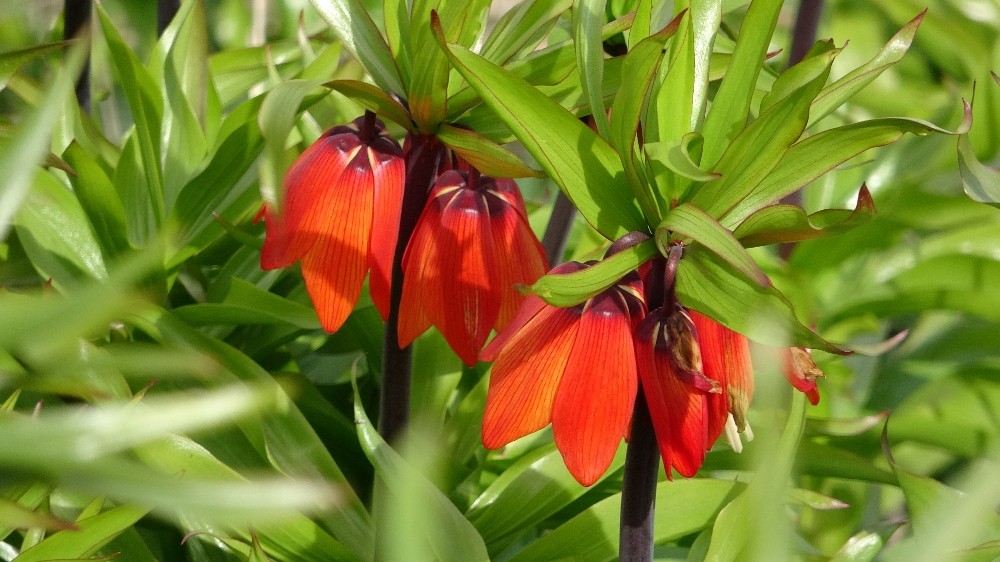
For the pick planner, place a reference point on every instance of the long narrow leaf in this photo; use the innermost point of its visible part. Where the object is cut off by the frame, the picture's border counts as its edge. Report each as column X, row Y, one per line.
column 584, row 166
column 350, row 21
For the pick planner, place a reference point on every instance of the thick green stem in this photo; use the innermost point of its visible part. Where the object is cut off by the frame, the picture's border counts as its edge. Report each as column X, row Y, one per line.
column 422, row 163
column 642, row 462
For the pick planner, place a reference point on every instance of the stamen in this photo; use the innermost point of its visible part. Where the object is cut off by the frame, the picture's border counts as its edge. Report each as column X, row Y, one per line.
column 733, row 435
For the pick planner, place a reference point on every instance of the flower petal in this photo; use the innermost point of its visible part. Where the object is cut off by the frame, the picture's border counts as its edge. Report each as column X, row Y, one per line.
column 334, row 267
column 593, row 406
column 312, row 186
column 421, row 275
column 389, row 171
column 678, row 409
column 525, row 376
column 802, row 372
column 726, row 359
column 519, row 257
column 471, row 302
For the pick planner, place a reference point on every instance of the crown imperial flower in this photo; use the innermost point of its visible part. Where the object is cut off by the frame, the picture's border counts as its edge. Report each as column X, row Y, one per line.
column 339, row 216
column 551, row 366
column 471, row 247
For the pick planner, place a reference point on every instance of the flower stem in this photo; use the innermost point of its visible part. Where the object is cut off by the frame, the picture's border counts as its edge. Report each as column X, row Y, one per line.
column 76, row 17
column 165, row 12
column 642, row 462
column 421, row 169
column 557, row 231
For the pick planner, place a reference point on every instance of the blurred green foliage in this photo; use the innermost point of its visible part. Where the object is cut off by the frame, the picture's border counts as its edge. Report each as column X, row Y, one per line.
column 157, row 386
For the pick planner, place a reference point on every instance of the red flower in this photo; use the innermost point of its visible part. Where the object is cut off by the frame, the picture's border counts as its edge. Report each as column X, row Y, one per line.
column 669, row 356
column 471, row 246
column 579, row 369
column 802, row 372
column 574, row 367
column 340, row 217
column 726, row 357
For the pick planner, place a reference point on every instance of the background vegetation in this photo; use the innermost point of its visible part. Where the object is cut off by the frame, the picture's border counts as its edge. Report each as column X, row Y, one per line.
column 162, row 398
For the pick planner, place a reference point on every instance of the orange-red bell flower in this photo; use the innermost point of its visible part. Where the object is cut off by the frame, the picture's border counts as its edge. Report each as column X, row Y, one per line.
column 471, row 247
column 339, row 215
column 670, row 359
column 572, row 367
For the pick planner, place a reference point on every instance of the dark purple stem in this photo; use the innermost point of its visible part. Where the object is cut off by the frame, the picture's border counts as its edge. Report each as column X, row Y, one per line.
column 804, row 34
column 165, row 12
column 421, row 170
column 803, row 37
column 557, row 231
column 642, row 463
column 76, row 17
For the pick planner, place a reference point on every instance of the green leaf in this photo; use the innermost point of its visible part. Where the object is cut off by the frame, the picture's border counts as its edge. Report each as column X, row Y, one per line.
column 29, row 145
column 731, row 105
column 759, row 147
column 487, row 156
column 864, row 546
column 181, row 58
column 570, row 289
column 844, row 88
column 980, row 182
column 584, row 166
column 638, row 71
column 245, row 303
column 682, row 97
column 945, row 519
column 146, row 105
column 691, row 222
column 350, row 21
column 11, row 61
column 278, row 113
column 683, row 507
column 448, row 533
column 99, row 200
column 812, row 157
column 15, row 515
column 517, row 28
column 222, row 187
column 531, row 490
column 788, row 223
column 707, row 284
column 56, row 235
column 90, row 535
column 642, row 25
column 374, row 99
column 677, row 158
column 745, row 529
column 429, row 81
column 588, row 17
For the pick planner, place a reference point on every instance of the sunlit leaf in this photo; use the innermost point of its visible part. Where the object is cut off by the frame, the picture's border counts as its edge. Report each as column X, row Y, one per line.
column 488, row 157
column 569, row 289
column 692, row 223
column 359, row 35
column 580, row 162
column 711, row 286
column 788, row 223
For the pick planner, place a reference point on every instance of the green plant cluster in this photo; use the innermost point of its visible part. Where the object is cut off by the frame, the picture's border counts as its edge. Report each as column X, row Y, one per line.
column 163, row 398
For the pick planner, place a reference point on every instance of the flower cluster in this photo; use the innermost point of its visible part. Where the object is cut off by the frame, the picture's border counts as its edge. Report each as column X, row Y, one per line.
column 340, row 217
column 580, row 369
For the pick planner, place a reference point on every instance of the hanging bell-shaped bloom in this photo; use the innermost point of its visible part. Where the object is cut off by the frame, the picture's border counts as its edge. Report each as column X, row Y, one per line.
column 671, row 363
column 572, row 367
column 471, row 247
column 339, row 215
column 802, row 372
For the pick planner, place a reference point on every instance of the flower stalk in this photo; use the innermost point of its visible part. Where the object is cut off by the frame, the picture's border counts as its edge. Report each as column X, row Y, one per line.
column 422, row 163
column 642, row 463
